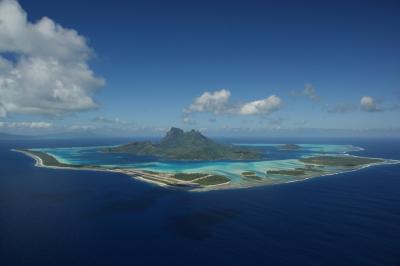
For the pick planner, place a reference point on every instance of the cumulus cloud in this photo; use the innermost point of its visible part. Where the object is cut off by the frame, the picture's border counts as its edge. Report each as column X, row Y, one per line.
column 263, row 106
column 368, row 104
column 47, row 72
column 214, row 102
column 218, row 102
column 33, row 125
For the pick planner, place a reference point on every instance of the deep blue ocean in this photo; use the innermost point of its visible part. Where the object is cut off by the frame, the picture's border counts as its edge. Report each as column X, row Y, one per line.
column 70, row 217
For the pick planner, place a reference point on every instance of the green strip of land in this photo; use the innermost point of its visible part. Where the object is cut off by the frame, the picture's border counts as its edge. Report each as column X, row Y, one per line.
column 49, row 160
column 344, row 161
column 188, row 176
column 251, row 176
column 212, row 180
column 289, row 172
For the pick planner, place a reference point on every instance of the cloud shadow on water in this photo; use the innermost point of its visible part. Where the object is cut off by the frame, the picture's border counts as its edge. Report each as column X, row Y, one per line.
column 129, row 204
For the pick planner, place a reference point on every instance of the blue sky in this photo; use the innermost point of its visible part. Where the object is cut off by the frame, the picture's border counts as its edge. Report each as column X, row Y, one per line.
column 148, row 65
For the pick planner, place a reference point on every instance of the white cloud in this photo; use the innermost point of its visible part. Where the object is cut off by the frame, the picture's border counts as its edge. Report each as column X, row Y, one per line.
column 264, row 106
column 48, row 71
column 218, row 103
column 368, row 104
column 33, row 125
column 214, row 102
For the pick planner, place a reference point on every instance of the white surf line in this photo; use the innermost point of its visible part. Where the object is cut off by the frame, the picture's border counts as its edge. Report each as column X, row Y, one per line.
column 38, row 160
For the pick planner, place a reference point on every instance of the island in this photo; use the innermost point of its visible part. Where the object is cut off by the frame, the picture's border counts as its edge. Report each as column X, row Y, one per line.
column 47, row 160
column 251, row 176
column 343, row 161
column 317, row 164
column 298, row 171
column 189, row 146
column 193, row 162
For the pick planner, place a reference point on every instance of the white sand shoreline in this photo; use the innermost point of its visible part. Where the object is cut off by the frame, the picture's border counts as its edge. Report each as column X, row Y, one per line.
column 39, row 163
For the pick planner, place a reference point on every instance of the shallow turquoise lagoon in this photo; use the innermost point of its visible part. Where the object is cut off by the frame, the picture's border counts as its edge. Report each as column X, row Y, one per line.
column 274, row 158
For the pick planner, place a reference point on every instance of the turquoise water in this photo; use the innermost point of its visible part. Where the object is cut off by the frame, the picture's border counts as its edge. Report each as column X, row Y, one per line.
column 274, row 159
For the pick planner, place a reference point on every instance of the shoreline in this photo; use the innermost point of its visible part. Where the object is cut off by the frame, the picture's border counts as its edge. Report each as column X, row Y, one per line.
column 39, row 163
column 38, row 160
column 172, row 183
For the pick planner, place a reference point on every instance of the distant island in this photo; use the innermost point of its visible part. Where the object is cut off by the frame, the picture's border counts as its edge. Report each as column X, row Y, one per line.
column 191, row 145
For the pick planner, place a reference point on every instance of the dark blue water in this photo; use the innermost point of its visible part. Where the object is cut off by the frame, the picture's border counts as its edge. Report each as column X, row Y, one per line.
column 65, row 217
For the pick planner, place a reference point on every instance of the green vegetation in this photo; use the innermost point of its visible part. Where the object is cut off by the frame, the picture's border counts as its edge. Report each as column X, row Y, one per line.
column 290, row 147
column 251, row 175
column 299, row 171
column 188, row 176
column 316, row 164
column 212, row 180
column 192, row 145
column 248, row 173
column 49, row 160
column 310, row 168
column 344, row 161
column 289, row 172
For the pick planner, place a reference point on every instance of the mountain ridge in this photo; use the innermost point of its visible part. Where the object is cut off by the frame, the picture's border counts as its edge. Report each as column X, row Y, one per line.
column 190, row 145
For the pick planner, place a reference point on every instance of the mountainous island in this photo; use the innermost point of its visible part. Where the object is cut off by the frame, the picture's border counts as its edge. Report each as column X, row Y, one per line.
column 191, row 145
column 237, row 166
